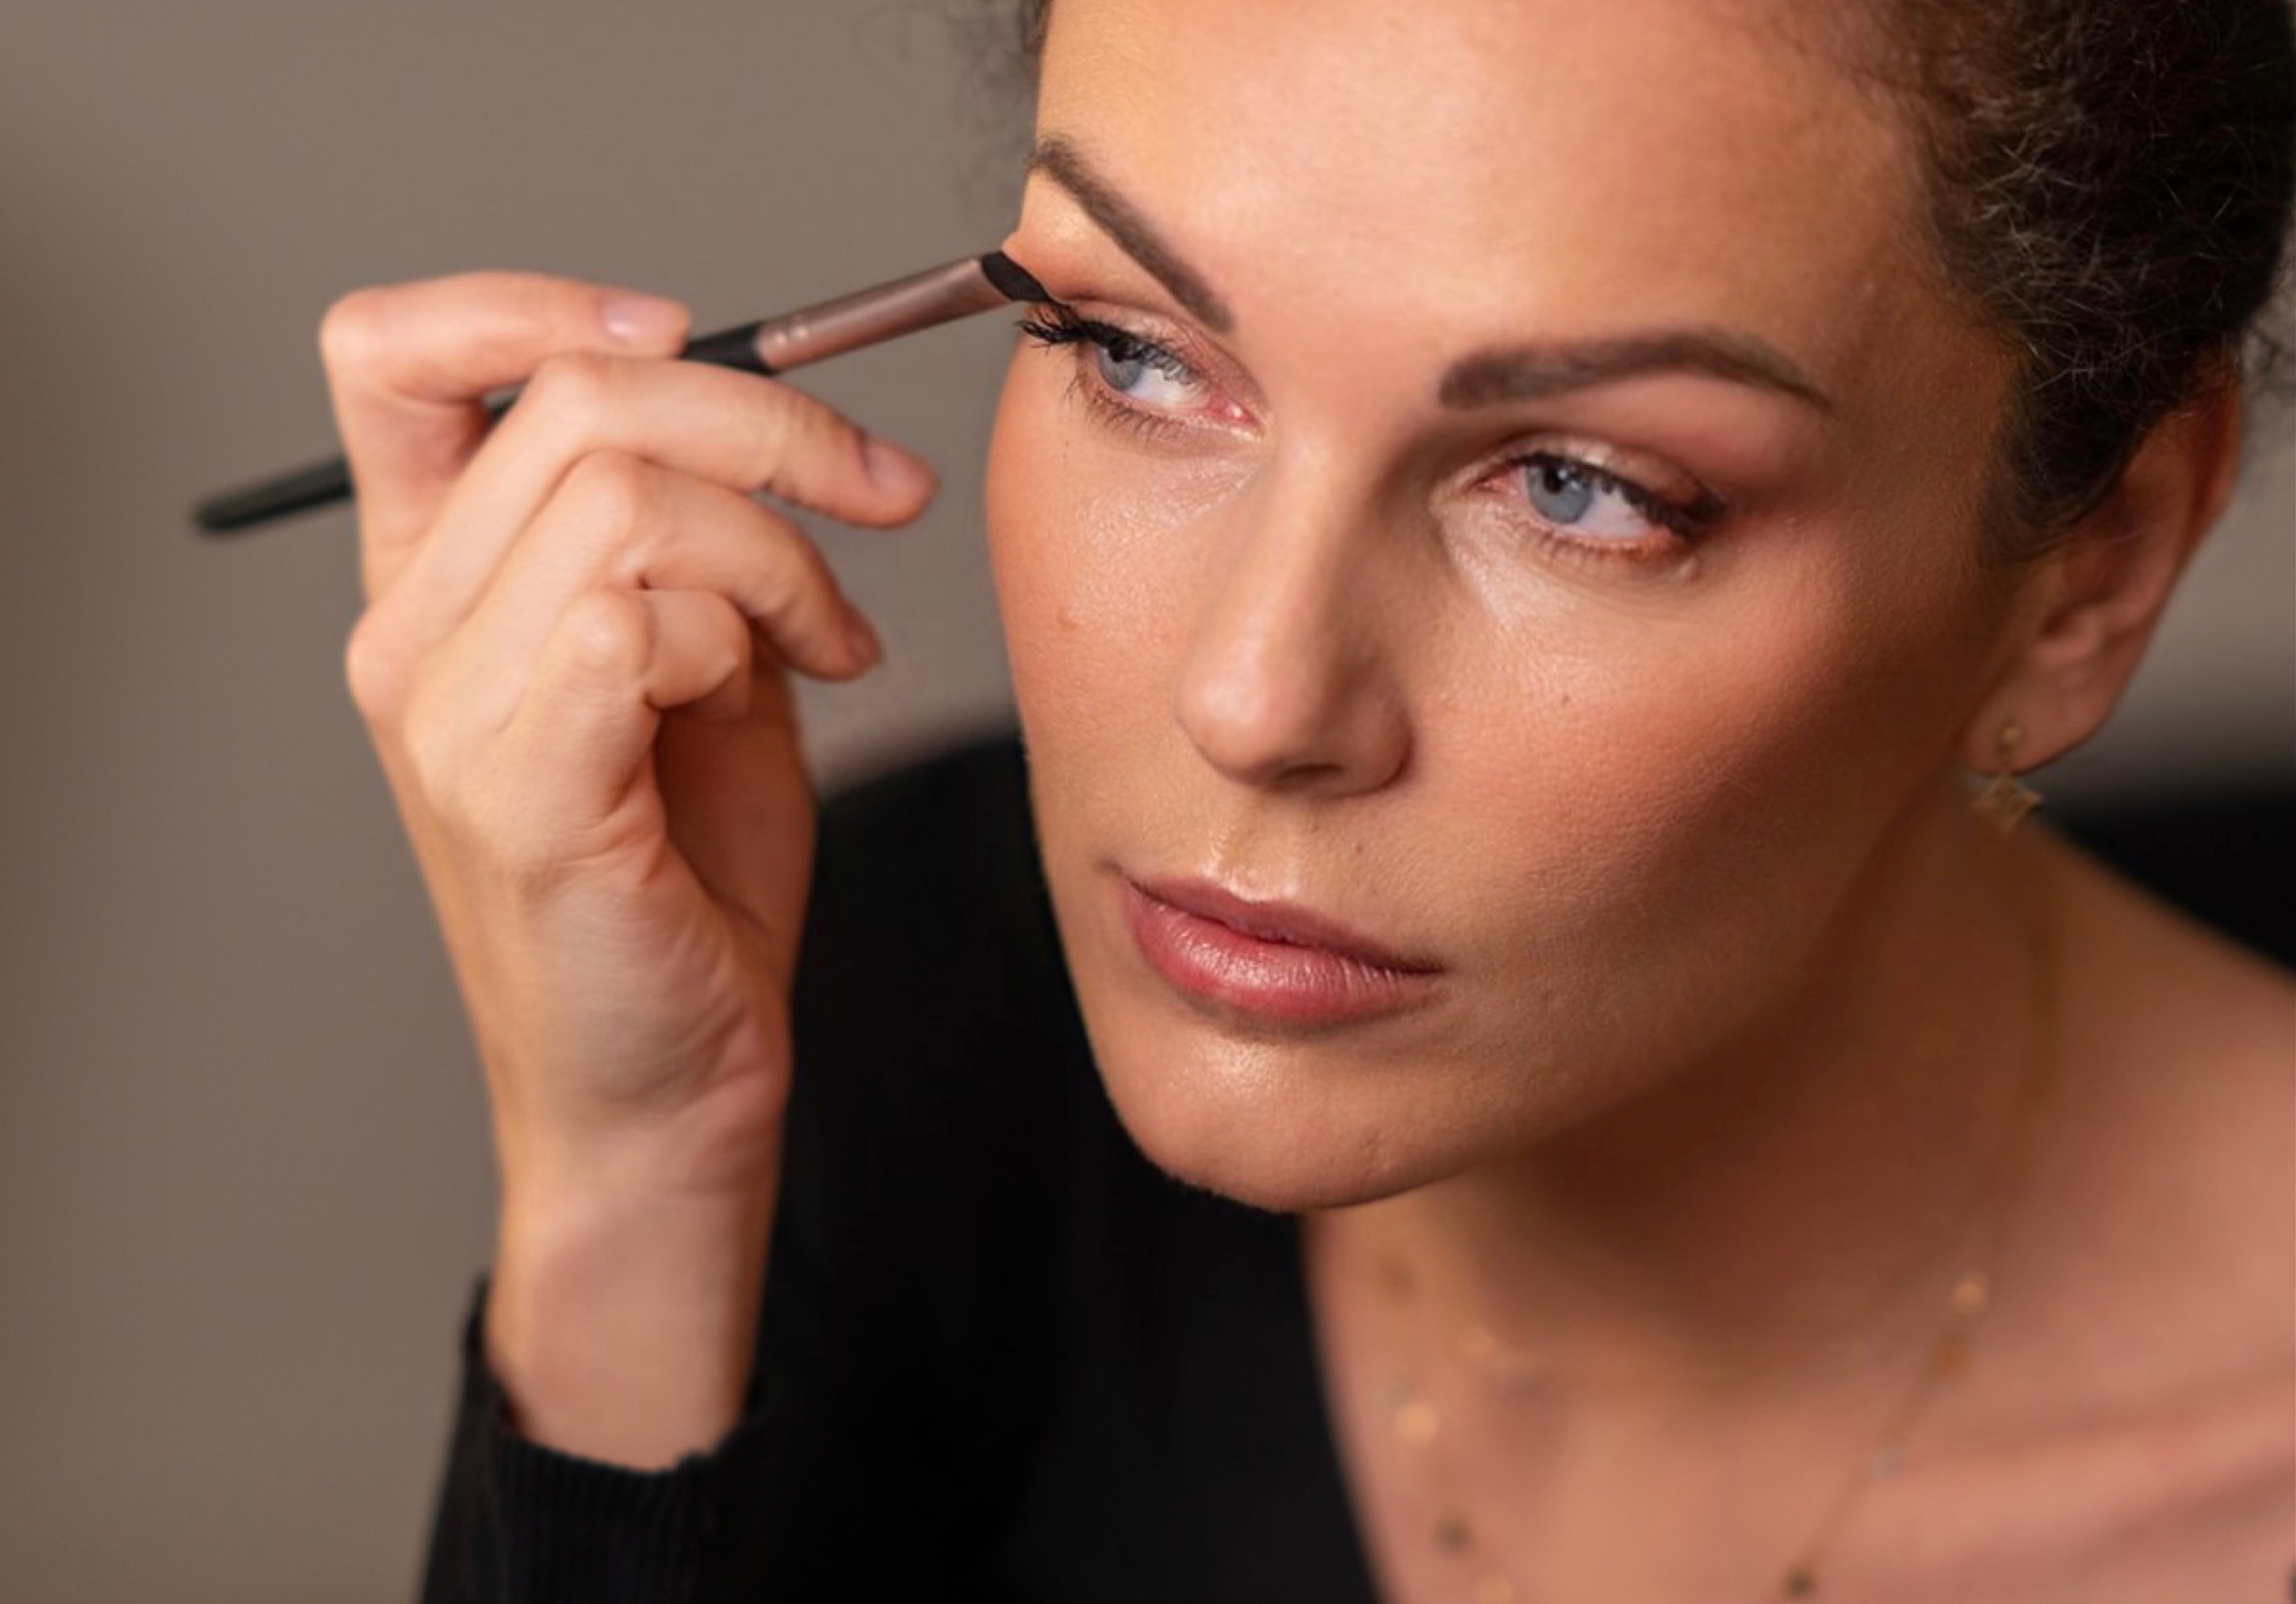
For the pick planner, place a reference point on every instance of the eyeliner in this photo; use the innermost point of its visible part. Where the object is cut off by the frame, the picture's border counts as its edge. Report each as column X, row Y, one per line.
column 772, row 345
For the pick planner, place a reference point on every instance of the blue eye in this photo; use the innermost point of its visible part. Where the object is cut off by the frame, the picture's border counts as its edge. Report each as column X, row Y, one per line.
column 1144, row 374
column 1589, row 503
column 1121, row 363
column 1561, row 492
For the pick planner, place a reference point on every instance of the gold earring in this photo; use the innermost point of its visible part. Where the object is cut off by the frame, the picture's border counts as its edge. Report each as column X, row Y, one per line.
column 2005, row 799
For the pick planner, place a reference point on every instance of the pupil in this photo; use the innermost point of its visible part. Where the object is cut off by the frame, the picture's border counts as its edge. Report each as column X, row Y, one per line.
column 1561, row 492
column 1122, row 365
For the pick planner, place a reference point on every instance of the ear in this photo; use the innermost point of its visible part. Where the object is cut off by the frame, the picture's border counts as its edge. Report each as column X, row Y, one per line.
column 2086, row 611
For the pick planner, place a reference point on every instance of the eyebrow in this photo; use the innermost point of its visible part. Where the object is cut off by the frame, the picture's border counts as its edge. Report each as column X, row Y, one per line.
column 1535, row 372
column 1488, row 377
column 1059, row 159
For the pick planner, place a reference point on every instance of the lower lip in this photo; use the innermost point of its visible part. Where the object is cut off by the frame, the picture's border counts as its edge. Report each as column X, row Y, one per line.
column 1275, row 980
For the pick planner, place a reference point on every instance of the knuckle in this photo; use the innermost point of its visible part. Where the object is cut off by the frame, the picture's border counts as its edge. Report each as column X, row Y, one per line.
column 613, row 490
column 610, row 635
column 351, row 332
column 375, row 668
column 572, row 387
column 728, row 645
column 802, row 435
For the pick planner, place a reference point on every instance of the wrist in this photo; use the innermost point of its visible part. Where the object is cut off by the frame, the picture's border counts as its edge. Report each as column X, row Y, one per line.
column 621, row 1324
column 709, row 1156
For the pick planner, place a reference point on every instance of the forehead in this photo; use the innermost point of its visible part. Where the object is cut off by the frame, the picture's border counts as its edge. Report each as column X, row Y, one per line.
column 1608, row 161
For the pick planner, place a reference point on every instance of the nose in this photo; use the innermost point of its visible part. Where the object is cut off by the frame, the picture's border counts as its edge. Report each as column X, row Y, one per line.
column 1288, row 682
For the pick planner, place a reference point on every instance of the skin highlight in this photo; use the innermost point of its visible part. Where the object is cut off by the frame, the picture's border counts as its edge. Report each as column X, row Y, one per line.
column 1734, row 994
column 1354, row 634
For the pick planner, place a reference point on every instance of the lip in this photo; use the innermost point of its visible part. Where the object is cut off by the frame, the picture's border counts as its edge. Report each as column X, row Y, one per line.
column 1271, row 959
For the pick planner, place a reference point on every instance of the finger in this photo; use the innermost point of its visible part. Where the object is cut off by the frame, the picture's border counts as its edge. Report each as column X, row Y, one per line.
column 739, row 807
column 409, row 367
column 620, row 520
column 618, row 660
column 734, row 429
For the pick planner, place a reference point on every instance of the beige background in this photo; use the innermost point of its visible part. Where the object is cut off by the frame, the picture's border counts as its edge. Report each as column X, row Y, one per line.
column 244, row 1181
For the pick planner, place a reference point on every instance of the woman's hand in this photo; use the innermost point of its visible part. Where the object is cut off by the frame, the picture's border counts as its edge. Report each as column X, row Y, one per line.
column 572, row 663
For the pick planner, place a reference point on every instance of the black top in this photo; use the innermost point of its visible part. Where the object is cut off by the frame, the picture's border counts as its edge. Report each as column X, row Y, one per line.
column 1001, row 1356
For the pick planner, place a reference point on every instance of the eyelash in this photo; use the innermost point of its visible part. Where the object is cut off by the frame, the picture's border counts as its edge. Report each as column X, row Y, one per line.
column 1055, row 325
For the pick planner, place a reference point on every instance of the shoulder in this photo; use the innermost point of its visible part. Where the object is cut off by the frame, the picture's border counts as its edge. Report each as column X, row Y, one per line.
column 2190, row 1039
column 2128, row 1418
column 2179, row 1051
column 2161, row 1235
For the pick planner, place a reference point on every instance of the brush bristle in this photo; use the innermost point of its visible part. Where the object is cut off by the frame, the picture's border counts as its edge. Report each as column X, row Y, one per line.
column 1014, row 281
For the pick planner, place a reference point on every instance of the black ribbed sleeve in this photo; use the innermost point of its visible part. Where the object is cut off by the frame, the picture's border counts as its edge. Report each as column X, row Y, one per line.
column 518, row 1521
column 1000, row 1356
column 931, row 1015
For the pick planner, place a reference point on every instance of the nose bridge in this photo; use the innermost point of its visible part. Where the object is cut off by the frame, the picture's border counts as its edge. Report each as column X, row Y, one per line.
column 1289, row 676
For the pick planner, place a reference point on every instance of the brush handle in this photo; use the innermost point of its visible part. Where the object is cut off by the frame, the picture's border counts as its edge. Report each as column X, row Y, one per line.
column 318, row 485
column 921, row 300
column 324, row 484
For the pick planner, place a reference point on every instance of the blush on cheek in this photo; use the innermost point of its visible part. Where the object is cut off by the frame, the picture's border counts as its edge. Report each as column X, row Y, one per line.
column 1650, row 839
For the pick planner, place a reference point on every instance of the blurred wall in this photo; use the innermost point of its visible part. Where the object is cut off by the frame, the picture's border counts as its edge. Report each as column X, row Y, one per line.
column 244, row 1177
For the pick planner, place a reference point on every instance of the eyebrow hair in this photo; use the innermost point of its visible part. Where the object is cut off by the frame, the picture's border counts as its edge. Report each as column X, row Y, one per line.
column 1489, row 378
column 1059, row 159
column 1533, row 372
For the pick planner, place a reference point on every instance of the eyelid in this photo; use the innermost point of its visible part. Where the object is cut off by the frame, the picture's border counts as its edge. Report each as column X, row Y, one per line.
column 1680, row 512
column 1652, row 477
column 1203, row 356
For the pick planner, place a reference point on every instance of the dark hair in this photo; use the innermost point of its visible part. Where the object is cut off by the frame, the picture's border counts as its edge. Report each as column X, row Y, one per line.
column 2109, row 189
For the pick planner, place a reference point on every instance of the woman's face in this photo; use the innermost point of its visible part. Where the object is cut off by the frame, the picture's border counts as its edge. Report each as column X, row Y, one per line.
column 1512, row 494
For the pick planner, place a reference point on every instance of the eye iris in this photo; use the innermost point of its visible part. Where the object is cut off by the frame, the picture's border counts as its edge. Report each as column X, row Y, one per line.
column 1561, row 492
column 1121, row 364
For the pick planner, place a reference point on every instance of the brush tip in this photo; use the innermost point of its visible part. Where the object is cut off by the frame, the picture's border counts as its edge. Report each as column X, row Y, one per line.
column 1012, row 281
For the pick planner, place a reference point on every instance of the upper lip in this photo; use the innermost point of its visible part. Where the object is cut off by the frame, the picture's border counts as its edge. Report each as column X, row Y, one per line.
column 1280, row 921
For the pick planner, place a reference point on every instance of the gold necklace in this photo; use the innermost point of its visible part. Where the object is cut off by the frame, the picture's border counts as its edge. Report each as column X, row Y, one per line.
column 1418, row 1425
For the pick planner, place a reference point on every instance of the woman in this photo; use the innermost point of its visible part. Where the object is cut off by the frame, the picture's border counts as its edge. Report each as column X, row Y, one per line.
column 1516, row 530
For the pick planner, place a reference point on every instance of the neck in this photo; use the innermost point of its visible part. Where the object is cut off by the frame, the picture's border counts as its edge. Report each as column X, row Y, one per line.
column 1803, row 1197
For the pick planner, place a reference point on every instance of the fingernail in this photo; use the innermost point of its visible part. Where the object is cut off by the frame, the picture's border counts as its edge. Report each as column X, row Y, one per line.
column 646, row 321
column 890, row 468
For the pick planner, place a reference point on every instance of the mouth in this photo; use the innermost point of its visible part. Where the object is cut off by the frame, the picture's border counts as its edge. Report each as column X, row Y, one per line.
column 1275, row 961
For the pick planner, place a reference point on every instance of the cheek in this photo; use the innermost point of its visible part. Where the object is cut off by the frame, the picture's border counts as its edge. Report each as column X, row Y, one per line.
column 1095, row 581
column 1078, row 636
column 1669, row 806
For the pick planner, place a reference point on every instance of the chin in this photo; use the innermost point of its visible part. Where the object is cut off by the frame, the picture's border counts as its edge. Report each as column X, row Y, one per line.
column 1285, row 1127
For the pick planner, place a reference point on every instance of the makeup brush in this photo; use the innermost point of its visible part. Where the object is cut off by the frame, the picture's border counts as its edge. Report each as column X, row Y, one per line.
column 770, row 346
